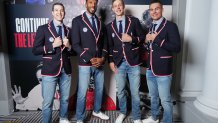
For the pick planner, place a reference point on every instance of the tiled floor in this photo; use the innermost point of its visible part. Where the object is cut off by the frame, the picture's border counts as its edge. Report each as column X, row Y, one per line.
column 36, row 117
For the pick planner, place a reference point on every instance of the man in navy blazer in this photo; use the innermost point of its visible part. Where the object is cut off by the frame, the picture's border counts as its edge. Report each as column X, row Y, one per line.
column 124, row 37
column 52, row 41
column 88, row 35
column 162, row 41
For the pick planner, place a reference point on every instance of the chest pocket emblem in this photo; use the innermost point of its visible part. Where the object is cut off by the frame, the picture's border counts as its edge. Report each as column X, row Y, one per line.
column 51, row 39
column 113, row 35
column 85, row 29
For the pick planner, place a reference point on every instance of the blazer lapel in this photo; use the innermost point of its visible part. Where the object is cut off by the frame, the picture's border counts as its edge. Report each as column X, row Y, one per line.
column 162, row 25
column 127, row 24
column 52, row 29
column 99, row 28
column 87, row 22
column 115, row 29
column 66, row 31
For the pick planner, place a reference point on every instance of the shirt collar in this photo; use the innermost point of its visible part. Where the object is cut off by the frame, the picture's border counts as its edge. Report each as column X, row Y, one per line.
column 158, row 22
column 123, row 19
column 56, row 24
column 89, row 16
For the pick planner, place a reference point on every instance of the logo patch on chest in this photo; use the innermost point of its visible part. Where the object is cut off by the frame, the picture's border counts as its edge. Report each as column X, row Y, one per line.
column 85, row 29
column 113, row 35
column 51, row 39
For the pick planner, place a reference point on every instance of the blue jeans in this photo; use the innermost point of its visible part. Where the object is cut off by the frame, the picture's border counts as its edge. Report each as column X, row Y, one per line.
column 85, row 73
column 133, row 73
column 159, row 86
column 49, row 84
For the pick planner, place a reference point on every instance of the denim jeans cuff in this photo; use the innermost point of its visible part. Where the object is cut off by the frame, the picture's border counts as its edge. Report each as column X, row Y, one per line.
column 63, row 118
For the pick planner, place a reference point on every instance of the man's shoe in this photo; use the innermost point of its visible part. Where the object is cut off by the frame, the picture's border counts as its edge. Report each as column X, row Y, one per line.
column 137, row 121
column 79, row 122
column 150, row 120
column 64, row 121
column 100, row 115
column 120, row 118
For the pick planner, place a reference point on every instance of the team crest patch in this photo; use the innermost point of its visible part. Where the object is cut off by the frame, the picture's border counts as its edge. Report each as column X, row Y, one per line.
column 85, row 29
column 51, row 39
column 113, row 35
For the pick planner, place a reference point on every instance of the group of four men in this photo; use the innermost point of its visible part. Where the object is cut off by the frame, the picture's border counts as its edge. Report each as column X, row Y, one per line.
column 94, row 43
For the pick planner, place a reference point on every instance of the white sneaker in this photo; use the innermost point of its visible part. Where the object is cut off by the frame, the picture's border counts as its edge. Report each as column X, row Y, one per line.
column 64, row 121
column 120, row 118
column 137, row 121
column 100, row 115
column 79, row 122
column 150, row 120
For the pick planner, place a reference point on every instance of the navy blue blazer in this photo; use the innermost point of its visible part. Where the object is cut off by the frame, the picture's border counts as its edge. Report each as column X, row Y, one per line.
column 167, row 42
column 128, row 50
column 86, row 44
column 53, row 59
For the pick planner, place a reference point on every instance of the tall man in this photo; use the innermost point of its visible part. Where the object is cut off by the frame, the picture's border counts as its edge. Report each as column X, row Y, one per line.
column 52, row 41
column 162, row 41
column 89, row 43
column 124, row 36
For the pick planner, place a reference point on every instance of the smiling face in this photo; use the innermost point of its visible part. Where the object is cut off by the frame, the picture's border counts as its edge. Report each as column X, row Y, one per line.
column 118, row 7
column 58, row 13
column 156, row 10
column 91, row 6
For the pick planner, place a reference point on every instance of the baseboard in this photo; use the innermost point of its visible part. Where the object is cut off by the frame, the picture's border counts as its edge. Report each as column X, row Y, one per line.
column 190, row 114
column 6, row 107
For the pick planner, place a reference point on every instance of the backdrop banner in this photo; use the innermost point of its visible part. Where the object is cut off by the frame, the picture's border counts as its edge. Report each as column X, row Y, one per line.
column 24, row 17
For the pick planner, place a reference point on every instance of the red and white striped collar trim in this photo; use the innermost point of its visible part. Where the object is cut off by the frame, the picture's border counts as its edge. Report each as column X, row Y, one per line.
column 112, row 25
column 99, row 27
column 49, row 28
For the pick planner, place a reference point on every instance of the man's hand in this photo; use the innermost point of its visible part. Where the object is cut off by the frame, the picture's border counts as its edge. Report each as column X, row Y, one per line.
column 93, row 61
column 17, row 95
column 97, row 62
column 66, row 43
column 113, row 67
column 150, row 37
column 126, row 37
column 57, row 42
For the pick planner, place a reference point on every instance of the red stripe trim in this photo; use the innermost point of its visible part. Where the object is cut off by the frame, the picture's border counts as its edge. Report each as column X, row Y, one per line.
column 129, row 24
column 44, row 49
column 162, row 42
column 82, row 53
column 104, row 50
column 55, row 74
column 135, row 48
column 112, row 25
column 47, row 57
column 138, row 39
column 99, row 30
column 152, row 69
column 91, row 28
column 162, row 27
column 67, row 31
column 164, row 57
column 49, row 28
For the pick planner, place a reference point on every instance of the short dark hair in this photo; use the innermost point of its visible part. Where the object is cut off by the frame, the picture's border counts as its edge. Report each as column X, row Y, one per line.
column 87, row 0
column 156, row 1
column 57, row 3
column 120, row 0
